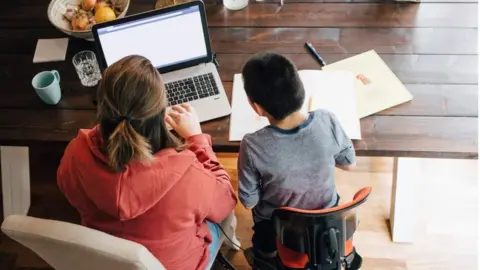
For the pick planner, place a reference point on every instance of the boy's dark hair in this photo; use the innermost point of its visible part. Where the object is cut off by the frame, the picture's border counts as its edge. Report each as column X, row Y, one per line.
column 272, row 81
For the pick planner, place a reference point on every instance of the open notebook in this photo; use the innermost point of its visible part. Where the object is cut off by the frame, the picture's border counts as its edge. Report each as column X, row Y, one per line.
column 330, row 90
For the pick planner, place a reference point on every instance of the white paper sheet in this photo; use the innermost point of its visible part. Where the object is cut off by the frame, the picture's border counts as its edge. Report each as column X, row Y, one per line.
column 243, row 118
column 332, row 90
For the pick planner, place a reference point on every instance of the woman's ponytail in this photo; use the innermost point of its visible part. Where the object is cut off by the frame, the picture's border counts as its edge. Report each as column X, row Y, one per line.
column 132, row 101
column 125, row 144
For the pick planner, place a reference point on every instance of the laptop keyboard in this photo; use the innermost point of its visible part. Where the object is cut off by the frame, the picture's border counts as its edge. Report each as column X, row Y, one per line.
column 191, row 89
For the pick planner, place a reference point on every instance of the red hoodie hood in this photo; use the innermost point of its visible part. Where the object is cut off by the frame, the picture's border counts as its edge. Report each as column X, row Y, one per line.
column 126, row 194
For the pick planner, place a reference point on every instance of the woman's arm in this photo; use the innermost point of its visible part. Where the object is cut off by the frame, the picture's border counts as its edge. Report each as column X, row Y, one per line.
column 201, row 146
column 224, row 198
column 220, row 199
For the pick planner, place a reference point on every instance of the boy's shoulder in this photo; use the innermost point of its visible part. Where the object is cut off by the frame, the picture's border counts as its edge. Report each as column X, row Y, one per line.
column 321, row 117
column 258, row 135
column 322, row 113
column 325, row 118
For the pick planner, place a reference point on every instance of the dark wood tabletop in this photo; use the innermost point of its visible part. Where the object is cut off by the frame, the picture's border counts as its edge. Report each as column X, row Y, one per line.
column 431, row 47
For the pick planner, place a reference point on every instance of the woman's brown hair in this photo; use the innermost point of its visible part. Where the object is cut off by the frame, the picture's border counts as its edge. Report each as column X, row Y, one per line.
column 131, row 111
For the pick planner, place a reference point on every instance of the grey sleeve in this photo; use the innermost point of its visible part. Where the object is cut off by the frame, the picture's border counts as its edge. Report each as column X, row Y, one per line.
column 345, row 152
column 248, row 178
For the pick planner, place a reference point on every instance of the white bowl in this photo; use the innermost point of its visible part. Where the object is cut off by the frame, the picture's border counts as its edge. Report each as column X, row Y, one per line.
column 57, row 9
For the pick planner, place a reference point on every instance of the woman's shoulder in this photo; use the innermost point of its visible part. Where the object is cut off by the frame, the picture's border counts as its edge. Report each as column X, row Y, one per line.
column 79, row 142
column 87, row 142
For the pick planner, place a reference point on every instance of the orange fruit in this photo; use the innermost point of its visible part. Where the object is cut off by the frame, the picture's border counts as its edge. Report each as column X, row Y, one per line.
column 100, row 5
column 88, row 4
column 80, row 21
column 104, row 14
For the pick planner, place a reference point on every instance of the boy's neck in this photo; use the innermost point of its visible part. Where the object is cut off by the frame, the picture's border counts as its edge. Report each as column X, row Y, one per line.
column 292, row 121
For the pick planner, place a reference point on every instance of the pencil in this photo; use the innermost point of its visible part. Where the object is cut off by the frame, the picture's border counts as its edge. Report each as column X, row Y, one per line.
column 311, row 104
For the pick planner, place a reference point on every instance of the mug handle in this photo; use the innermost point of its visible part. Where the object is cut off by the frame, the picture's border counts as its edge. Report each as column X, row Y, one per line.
column 56, row 74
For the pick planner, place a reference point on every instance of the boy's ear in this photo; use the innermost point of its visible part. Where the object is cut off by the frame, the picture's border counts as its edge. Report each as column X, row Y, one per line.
column 260, row 111
column 257, row 108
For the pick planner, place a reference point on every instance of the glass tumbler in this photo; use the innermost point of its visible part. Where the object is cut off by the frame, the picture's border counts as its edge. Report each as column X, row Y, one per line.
column 86, row 65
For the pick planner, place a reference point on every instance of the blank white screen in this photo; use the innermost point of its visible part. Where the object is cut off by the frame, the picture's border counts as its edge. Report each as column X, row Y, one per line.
column 165, row 39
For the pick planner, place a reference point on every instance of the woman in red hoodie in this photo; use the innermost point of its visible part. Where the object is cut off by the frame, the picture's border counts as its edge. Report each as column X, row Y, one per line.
column 131, row 178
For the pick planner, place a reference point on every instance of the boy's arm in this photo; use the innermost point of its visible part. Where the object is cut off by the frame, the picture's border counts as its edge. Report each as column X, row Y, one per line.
column 345, row 157
column 248, row 178
column 345, row 167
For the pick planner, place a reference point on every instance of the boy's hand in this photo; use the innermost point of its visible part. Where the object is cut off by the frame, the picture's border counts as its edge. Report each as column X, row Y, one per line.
column 346, row 167
column 184, row 120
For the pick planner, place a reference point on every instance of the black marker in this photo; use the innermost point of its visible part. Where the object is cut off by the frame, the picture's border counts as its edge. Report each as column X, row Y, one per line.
column 314, row 53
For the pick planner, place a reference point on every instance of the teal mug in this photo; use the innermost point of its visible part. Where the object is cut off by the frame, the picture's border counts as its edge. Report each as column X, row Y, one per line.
column 47, row 86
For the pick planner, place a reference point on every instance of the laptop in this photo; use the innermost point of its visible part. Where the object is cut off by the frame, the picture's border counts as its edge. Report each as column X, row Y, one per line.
column 176, row 40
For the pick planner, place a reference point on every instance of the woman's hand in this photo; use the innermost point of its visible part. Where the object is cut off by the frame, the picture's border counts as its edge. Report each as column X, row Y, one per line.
column 184, row 120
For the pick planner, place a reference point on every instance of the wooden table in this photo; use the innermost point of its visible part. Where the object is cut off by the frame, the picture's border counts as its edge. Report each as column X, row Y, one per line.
column 431, row 50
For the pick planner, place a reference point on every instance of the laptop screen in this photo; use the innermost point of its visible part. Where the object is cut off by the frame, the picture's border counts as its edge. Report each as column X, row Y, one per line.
column 166, row 39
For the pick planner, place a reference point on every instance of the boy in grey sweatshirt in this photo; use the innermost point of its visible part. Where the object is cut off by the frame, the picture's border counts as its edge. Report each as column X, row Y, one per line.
column 292, row 161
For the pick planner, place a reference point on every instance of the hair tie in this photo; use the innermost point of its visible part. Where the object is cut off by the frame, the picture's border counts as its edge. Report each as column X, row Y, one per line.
column 121, row 118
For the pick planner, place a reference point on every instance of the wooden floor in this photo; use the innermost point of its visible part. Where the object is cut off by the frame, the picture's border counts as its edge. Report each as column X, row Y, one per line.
column 448, row 213
column 446, row 234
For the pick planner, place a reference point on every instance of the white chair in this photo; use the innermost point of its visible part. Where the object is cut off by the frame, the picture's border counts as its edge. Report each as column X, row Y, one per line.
column 67, row 246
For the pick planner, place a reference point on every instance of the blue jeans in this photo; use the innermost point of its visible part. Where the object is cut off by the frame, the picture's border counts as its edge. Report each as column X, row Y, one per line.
column 215, row 245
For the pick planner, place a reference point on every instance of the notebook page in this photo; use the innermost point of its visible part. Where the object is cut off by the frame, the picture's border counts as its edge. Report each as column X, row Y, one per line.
column 333, row 91
column 243, row 118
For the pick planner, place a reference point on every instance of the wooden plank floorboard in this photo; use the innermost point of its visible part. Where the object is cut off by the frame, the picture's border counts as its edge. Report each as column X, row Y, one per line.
column 429, row 99
column 354, row 1
column 291, row 40
column 383, row 135
column 432, row 99
column 410, row 68
column 300, row 15
column 345, row 40
column 252, row 2
column 347, row 15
